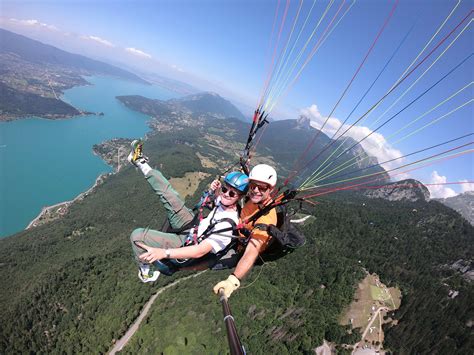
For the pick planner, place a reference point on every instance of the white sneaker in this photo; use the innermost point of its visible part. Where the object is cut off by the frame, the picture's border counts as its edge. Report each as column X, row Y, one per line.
column 150, row 277
column 146, row 274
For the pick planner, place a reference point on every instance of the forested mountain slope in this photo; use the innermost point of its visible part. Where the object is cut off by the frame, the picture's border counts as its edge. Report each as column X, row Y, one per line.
column 292, row 304
column 33, row 51
column 284, row 141
column 71, row 286
column 34, row 75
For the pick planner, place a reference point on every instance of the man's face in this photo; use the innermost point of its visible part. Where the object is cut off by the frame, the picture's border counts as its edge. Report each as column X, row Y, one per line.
column 259, row 192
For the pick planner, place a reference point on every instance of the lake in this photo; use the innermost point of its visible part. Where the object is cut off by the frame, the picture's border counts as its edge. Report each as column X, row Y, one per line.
column 44, row 162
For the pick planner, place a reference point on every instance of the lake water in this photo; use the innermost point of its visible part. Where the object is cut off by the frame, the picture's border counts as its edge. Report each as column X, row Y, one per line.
column 43, row 162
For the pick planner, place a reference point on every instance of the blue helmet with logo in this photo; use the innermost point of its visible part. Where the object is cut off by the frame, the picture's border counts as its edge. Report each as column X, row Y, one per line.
column 237, row 180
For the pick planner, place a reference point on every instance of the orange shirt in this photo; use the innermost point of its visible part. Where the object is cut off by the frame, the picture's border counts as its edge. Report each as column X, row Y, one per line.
column 270, row 217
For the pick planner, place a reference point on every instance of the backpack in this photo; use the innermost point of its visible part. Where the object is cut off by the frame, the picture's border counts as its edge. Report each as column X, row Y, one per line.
column 286, row 237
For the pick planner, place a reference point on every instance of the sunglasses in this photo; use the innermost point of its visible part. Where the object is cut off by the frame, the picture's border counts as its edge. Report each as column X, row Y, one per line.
column 232, row 193
column 261, row 188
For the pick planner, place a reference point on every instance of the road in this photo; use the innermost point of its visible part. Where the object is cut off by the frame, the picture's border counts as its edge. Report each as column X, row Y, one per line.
column 324, row 349
column 374, row 317
column 118, row 346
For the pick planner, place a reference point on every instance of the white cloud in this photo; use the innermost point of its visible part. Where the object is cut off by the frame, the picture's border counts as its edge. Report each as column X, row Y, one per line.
column 467, row 187
column 33, row 23
column 402, row 175
column 375, row 145
column 175, row 67
column 98, row 40
column 439, row 191
column 138, row 52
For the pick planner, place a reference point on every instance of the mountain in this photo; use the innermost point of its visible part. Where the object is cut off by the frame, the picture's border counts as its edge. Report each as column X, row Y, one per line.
column 170, row 84
column 202, row 105
column 287, row 140
column 409, row 189
column 209, row 103
column 35, row 74
column 284, row 140
column 463, row 203
column 43, row 54
column 20, row 103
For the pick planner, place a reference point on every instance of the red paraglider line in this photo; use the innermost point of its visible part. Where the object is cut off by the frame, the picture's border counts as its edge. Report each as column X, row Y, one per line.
column 351, row 81
column 348, row 187
column 270, row 72
column 382, row 98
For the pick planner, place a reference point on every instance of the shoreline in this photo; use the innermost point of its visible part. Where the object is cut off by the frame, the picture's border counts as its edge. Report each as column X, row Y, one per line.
column 62, row 207
column 51, row 117
column 53, row 212
column 58, row 210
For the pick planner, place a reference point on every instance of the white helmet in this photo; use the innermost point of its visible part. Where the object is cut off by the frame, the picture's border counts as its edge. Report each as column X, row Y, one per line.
column 264, row 173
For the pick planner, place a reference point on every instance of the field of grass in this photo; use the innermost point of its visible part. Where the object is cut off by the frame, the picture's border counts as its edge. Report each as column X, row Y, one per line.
column 370, row 295
column 379, row 294
column 188, row 184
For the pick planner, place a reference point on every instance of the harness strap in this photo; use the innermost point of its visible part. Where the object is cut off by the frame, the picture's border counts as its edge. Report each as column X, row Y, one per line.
column 261, row 226
column 209, row 230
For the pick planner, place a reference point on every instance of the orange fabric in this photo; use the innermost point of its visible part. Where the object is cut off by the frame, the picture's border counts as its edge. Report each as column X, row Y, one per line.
column 270, row 218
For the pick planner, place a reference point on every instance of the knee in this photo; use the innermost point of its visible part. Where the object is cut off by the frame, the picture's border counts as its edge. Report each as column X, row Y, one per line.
column 137, row 235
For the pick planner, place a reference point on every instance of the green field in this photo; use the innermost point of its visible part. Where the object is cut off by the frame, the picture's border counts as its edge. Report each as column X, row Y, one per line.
column 378, row 294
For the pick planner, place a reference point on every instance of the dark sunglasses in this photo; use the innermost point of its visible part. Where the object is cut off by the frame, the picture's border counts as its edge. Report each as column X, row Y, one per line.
column 261, row 188
column 232, row 193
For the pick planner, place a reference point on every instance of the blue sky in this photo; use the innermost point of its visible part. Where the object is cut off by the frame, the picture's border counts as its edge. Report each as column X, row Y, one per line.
column 224, row 46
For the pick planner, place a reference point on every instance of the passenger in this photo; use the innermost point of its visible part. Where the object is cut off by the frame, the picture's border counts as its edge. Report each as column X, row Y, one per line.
column 150, row 246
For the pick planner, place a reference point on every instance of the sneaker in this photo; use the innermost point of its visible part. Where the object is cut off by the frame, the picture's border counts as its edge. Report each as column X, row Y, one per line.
column 136, row 155
column 149, row 276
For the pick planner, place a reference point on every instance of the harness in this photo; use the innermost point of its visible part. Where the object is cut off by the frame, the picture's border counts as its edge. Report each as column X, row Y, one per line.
column 170, row 266
column 285, row 236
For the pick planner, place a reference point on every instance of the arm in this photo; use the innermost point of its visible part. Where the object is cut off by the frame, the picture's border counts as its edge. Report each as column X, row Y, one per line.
column 190, row 252
column 248, row 259
column 232, row 283
column 210, row 195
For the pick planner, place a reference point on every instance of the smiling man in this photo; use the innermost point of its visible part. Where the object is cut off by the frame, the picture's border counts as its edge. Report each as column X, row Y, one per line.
column 262, row 180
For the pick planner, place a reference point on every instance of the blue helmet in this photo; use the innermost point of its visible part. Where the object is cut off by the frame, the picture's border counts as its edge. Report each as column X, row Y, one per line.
column 237, row 180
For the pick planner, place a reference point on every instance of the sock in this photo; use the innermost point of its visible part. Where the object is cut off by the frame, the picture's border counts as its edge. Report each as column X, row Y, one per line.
column 145, row 168
column 144, row 269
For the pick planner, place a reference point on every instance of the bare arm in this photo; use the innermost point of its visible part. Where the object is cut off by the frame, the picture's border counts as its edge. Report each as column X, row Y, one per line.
column 190, row 252
column 248, row 259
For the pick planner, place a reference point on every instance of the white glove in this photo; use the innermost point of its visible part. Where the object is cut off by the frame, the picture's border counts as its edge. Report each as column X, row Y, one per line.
column 230, row 285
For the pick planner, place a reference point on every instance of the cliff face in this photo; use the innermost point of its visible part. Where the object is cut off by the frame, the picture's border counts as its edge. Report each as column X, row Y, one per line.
column 303, row 122
column 465, row 268
column 288, row 139
column 409, row 190
column 463, row 203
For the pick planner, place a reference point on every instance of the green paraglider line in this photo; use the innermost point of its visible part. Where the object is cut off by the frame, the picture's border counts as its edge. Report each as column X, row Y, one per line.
column 432, row 160
column 295, row 172
column 402, row 157
column 344, row 166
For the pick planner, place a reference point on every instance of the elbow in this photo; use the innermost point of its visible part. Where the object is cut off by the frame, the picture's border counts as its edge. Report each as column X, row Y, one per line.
column 202, row 249
column 200, row 254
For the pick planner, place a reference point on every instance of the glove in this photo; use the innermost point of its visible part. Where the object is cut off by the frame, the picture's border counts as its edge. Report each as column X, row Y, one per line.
column 230, row 285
